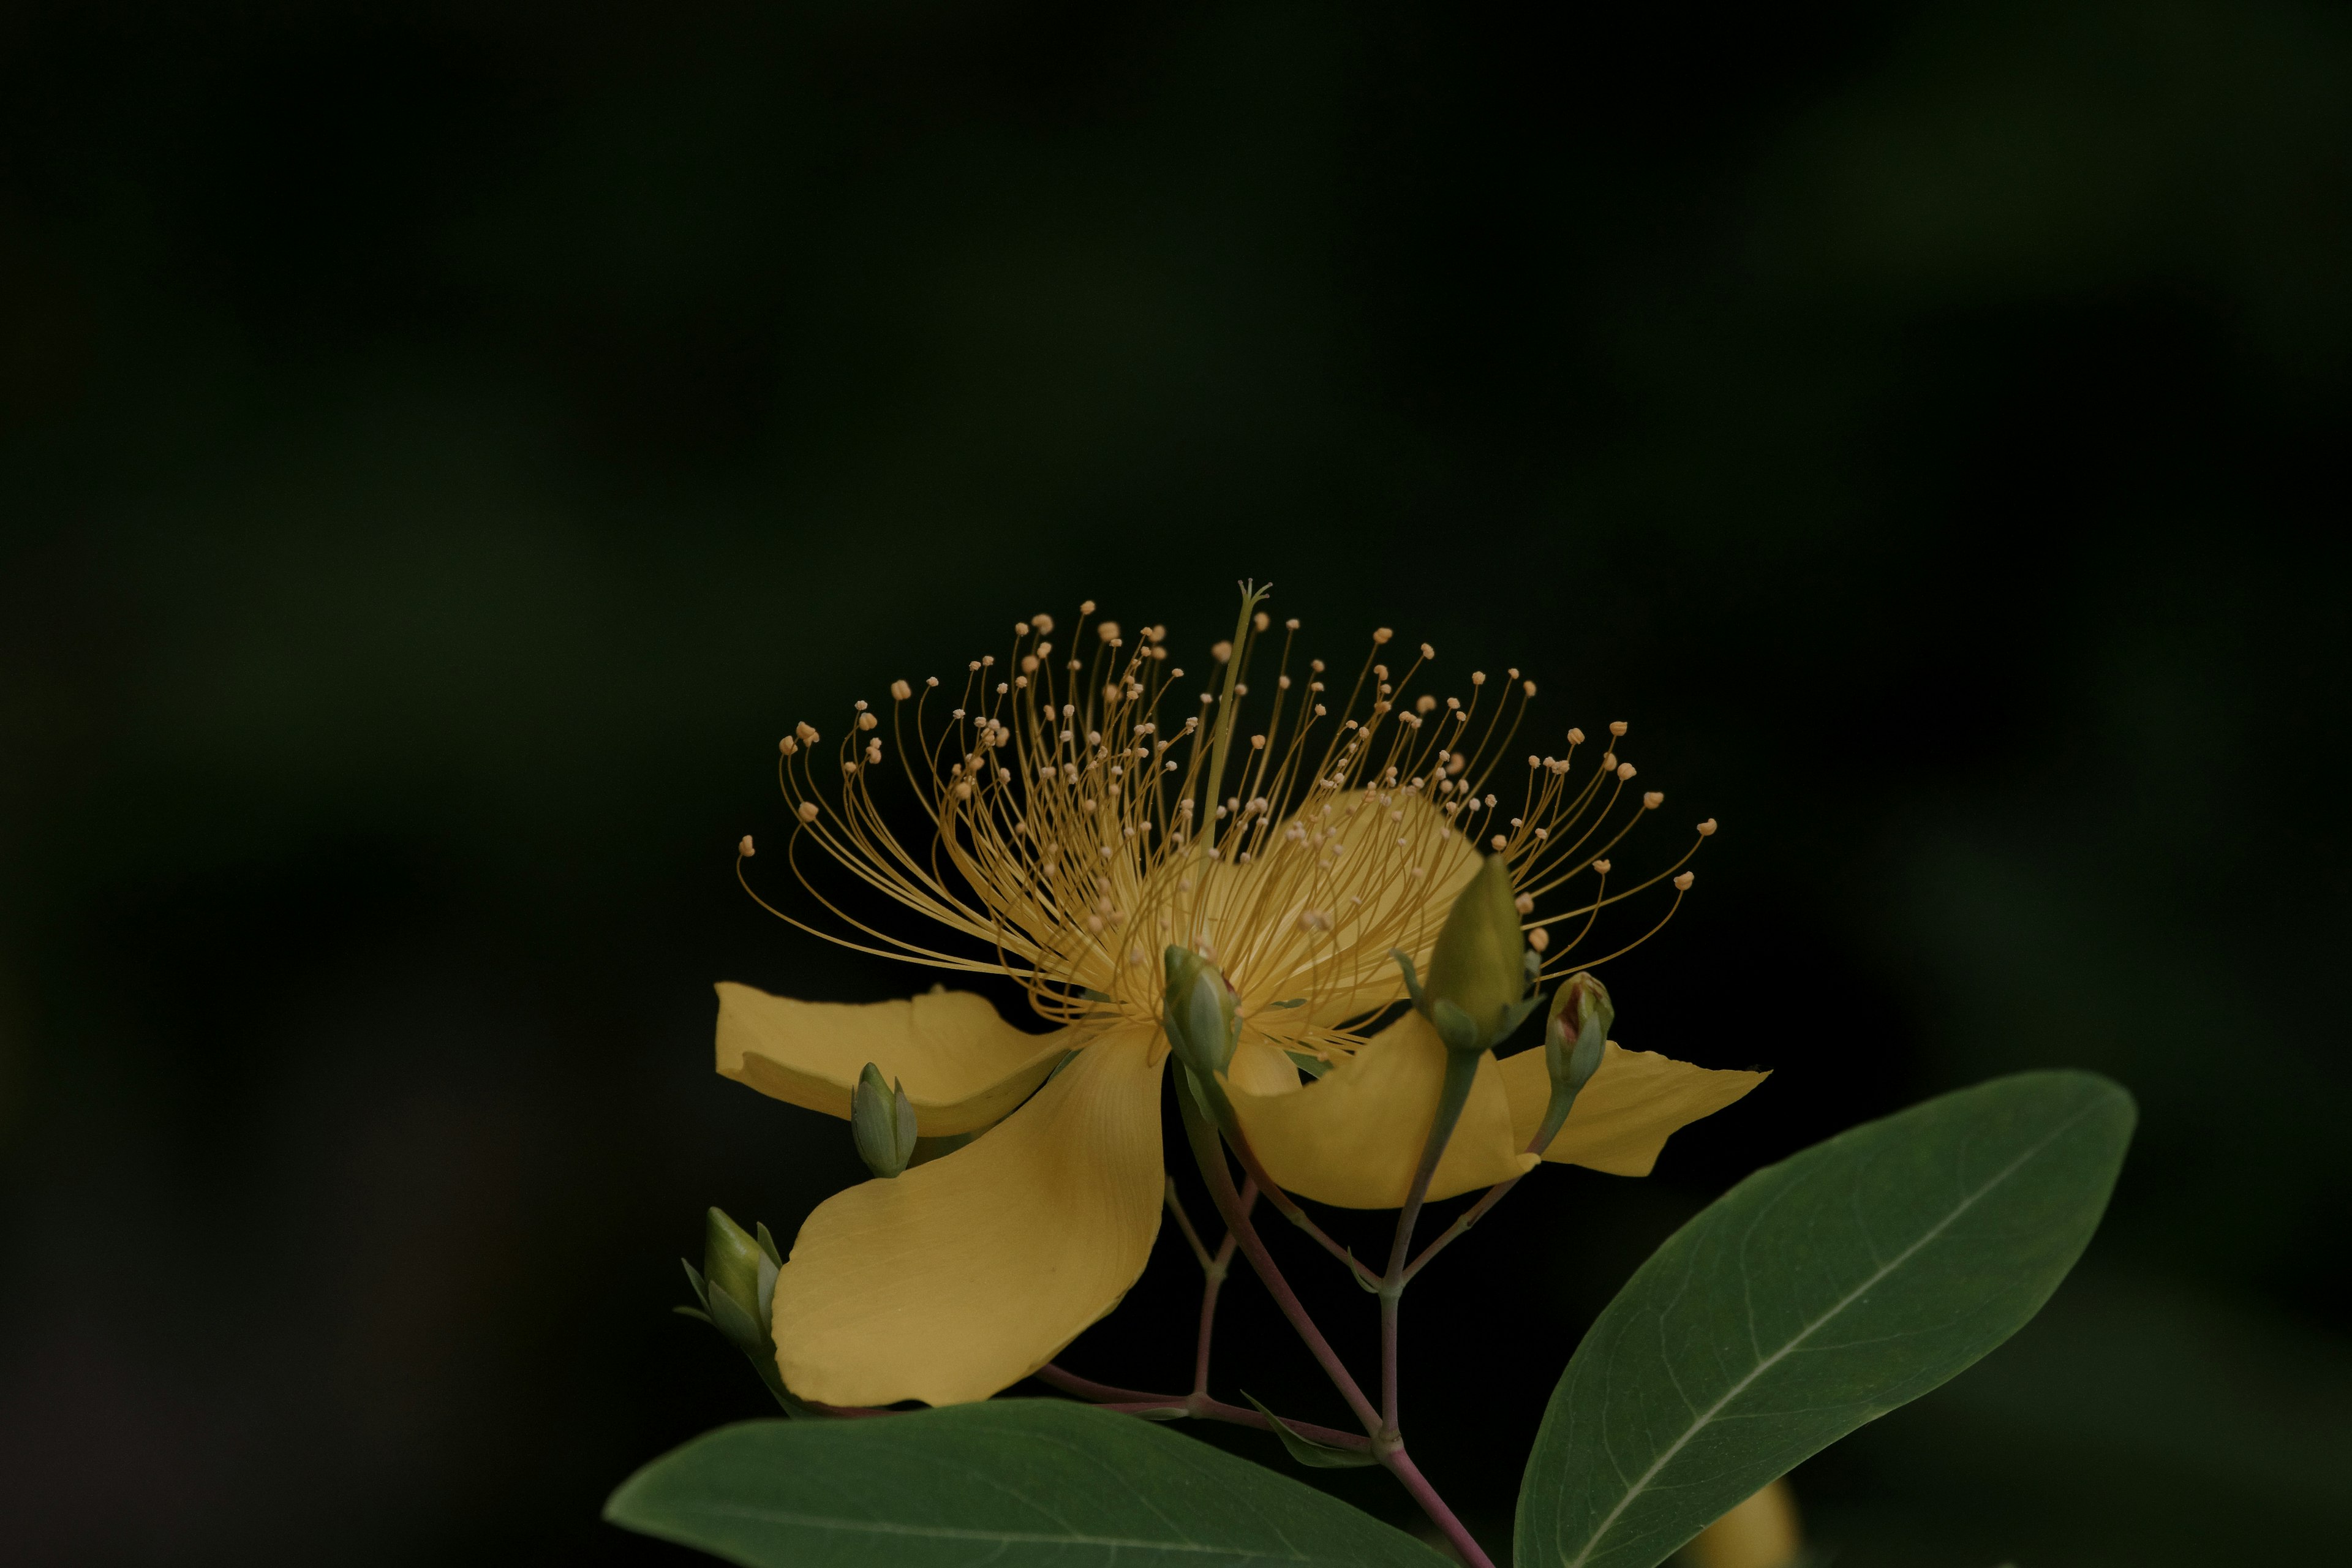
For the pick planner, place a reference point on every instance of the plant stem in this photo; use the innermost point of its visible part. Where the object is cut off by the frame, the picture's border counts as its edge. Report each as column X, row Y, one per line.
column 1292, row 1211
column 1130, row 1400
column 1218, row 1410
column 1461, row 1072
column 1468, row 1217
column 1215, row 1269
column 1087, row 1388
column 1210, row 1151
column 1400, row 1465
column 1184, row 1224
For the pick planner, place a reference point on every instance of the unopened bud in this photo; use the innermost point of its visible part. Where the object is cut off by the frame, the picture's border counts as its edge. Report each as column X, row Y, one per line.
column 1576, row 1038
column 882, row 1120
column 732, row 1264
column 1197, row 1010
column 1583, row 1002
column 1478, row 969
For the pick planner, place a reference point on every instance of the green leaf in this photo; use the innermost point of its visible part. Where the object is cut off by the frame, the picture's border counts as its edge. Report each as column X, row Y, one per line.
column 1008, row 1482
column 1306, row 1450
column 1816, row 1295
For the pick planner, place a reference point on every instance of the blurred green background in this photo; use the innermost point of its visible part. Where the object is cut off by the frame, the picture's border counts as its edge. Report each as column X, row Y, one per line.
column 442, row 447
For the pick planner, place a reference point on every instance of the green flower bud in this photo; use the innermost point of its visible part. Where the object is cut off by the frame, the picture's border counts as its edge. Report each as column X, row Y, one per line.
column 1198, row 1012
column 1576, row 1038
column 882, row 1120
column 731, row 1267
column 1580, row 1011
column 1478, row 971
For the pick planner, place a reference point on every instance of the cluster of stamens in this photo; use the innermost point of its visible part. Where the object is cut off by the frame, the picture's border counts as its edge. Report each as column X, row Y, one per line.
column 1083, row 810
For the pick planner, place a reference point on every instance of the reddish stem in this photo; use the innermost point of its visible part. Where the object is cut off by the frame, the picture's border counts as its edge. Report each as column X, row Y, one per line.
column 1215, row 1269
column 1469, row 1218
column 1209, row 1150
column 1400, row 1465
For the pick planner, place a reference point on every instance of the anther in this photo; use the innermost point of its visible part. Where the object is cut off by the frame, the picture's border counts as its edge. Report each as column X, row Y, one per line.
column 1617, row 727
column 1539, row 939
column 1499, row 842
column 1525, row 903
column 1261, row 620
column 1624, row 772
column 1291, row 624
column 1045, row 625
column 744, row 848
column 1654, row 799
column 1528, row 687
column 1601, row 866
column 1086, row 608
column 807, row 811
column 900, row 690
column 1575, row 737
column 1706, row 828
column 931, row 681
column 807, row 735
column 1683, row 883
column 1477, row 677
column 1107, row 631
column 867, row 720
column 788, row 745
column 1427, row 651
column 1221, row 652
column 1381, row 635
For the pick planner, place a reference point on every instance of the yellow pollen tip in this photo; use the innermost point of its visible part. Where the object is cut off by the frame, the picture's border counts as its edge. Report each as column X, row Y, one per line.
column 806, row 811
column 1654, row 799
column 1706, row 828
column 1087, row 607
column 1617, row 727
column 1539, row 939
column 1683, row 883
column 1383, row 635
column 1576, row 737
column 900, row 690
column 1624, row 772
column 744, row 848
column 1525, row 903
column 788, row 745
column 1601, row 866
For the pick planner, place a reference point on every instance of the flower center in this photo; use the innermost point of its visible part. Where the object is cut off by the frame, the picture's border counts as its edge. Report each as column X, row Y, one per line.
column 1086, row 806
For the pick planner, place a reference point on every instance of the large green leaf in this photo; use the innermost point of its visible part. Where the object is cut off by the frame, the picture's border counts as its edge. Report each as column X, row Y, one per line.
column 1007, row 1482
column 1818, row 1294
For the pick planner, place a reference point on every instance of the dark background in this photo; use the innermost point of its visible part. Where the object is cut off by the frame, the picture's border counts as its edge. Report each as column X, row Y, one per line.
column 442, row 447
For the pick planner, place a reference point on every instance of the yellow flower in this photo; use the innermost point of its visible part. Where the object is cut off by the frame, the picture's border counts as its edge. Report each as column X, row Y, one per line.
column 1083, row 808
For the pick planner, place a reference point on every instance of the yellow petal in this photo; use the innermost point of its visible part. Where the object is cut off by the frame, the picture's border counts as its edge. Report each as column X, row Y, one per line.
column 963, row 1066
column 1262, row 1069
column 967, row 1274
column 1353, row 1137
column 1759, row 1533
column 1624, row 1116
